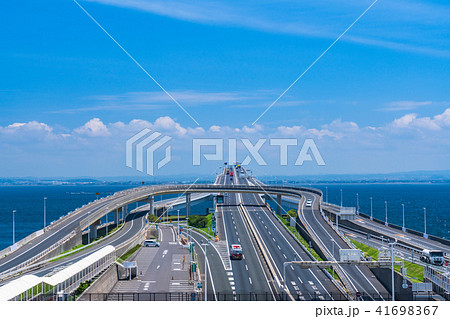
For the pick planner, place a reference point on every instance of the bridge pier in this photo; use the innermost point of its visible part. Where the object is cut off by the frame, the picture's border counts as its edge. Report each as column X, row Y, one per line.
column 278, row 204
column 151, row 201
column 116, row 216
column 93, row 231
column 124, row 212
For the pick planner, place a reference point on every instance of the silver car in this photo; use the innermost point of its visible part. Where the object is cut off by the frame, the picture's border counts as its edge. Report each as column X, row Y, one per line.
column 151, row 243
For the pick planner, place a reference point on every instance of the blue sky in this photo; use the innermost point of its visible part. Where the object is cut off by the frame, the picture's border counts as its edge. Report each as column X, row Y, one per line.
column 378, row 101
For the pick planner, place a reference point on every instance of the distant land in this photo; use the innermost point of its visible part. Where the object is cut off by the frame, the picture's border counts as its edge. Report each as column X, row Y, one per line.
column 400, row 177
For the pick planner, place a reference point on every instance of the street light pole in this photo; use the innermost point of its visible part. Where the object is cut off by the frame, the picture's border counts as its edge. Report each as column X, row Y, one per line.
column 403, row 213
column 14, row 231
column 326, row 193
column 371, row 209
column 45, row 211
column 386, row 220
column 206, row 272
column 178, row 223
column 357, row 203
column 392, row 267
column 425, row 222
column 341, row 197
column 334, row 258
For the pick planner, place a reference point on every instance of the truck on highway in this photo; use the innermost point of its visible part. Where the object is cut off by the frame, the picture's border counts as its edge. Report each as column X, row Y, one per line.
column 435, row 257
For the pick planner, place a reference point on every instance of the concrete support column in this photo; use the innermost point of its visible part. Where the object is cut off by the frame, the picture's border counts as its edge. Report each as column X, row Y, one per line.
column 93, row 232
column 125, row 211
column 188, row 205
column 116, row 216
column 151, row 200
column 279, row 204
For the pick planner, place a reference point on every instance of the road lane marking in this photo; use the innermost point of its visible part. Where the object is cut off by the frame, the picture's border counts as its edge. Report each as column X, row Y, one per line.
column 284, row 256
column 246, row 267
column 158, row 266
column 250, row 279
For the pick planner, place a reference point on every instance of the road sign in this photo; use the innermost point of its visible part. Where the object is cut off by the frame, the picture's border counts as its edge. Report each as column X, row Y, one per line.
column 410, row 285
column 358, row 294
column 446, row 264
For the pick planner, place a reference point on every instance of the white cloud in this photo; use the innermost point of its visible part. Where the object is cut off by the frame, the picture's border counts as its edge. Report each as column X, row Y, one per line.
column 412, row 121
column 405, row 105
column 343, row 141
column 93, row 128
column 29, row 126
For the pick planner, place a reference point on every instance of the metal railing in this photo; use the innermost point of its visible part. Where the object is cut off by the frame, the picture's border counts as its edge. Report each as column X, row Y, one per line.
column 221, row 296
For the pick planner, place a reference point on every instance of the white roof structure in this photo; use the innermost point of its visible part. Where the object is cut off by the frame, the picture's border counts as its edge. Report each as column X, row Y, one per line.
column 18, row 286
column 24, row 283
column 72, row 270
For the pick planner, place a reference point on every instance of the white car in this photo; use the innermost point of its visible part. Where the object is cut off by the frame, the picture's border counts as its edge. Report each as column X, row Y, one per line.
column 308, row 203
column 151, row 243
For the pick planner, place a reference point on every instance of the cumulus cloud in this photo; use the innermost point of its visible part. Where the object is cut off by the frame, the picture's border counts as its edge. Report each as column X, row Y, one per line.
column 29, row 126
column 93, row 128
column 413, row 121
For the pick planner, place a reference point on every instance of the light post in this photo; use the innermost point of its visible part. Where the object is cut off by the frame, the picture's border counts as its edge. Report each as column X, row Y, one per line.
column 206, row 272
column 341, row 197
column 45, row 211
column 371, row 209
column 403, row 214
column 14, row 231
column 178, row 223
column 392, row 267
column 425, row 222
column 334, row 258
column 89, row 227
column 357, row 203
column 386, row 220
column 326, row 194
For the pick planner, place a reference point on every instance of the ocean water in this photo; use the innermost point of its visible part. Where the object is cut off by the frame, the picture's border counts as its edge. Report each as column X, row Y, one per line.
column 28, row 201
